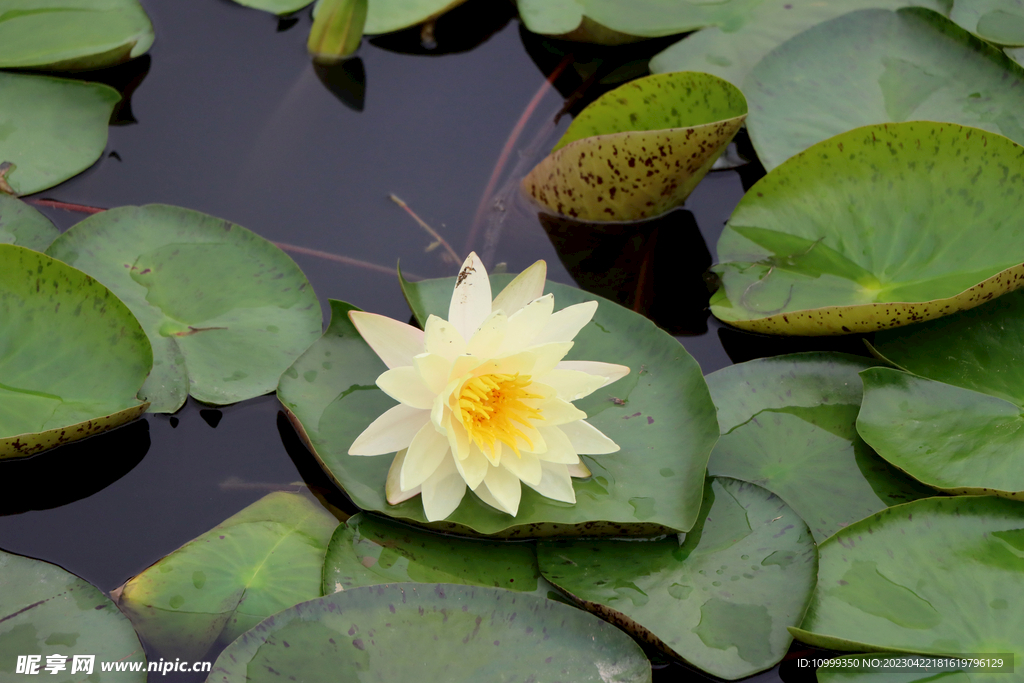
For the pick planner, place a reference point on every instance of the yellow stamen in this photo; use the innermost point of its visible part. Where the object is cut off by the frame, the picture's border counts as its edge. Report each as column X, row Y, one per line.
column 491, row 404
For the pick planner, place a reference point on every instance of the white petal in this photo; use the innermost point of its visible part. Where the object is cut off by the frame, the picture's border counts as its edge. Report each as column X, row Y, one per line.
column 423, row 456
column 524, row 326
column 458, row 439
column 610, row 371
column 505, row 488
column 533, row 441
column 390, row 432
column 474, row 468
column 443, row 491
column 560, row 449
column 548, row 357
column 556, row 411
column 487, row 340
column 588, row 439
column 555, row 483
column 526, row 287
column 396, row 343
column 471, row 300
column 567, row 323
column 525, row 467
column 521, row 363
column 441, row 337
column 571, row 384
column 580, row 470
column 392, row 489
column 405, row 385
column 433, row 368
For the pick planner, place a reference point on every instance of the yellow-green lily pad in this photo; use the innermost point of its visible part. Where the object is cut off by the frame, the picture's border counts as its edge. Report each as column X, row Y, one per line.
column 878, row 227
column 639, row 150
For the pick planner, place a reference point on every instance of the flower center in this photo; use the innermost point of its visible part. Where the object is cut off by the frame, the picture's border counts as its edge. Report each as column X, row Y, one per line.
column 490, row 407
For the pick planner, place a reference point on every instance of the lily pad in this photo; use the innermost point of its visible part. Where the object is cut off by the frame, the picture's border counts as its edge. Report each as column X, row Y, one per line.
column 385, row 16
column 935, row 576
column 640, row 149
column 45, row 610
column 877, row 227
column 370, row 550
column 997, row 21
column 338, row 32
column 661, row 415
column 72, row 356
column 612, row 22
column 51, row 128
column 279, row 7
column 877, row 66
column 267, row 557
column 432, row 632
column 731, row 50
column 226, row 311
column 22, row 225
column 789, row 424
column 72, row 35
column 720, row 599
column 1016, row 54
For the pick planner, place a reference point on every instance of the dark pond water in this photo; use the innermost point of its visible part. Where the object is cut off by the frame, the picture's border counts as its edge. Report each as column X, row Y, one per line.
column 227, row 116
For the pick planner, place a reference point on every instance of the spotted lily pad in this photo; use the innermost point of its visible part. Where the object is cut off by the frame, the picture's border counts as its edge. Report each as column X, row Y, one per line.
column 369, row 550
column 730, row 50
column 640, row 149
column 22, row 225
column 874, row 228
column 267, row 557
column 72, row 356
column 660, row 415
column 413, row 632
column 51, row 128
column 69, row 35
column 789, row 425
column 997, row 21
column 720, row 599
column 877, row 66
column 935, row 576
column 226, row 311
column 45, row 610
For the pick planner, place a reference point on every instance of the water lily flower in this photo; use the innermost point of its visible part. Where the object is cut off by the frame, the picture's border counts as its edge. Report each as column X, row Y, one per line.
column 485, row 399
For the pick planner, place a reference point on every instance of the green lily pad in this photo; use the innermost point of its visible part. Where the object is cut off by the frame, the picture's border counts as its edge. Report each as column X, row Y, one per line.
column 267, row 557
column 936, row 576
column 877, row 66
column 729, row 51
column 50, row 128
column 414, row 632
column 789, row 424
column 721, row 599
column 640, row 149
column 661, row 415
column 385, row 16
column 1016, row 54
column 997, row 21
column 72, row 356
column 22, row 225
column 45, row 610
column 226, row 311
column 874, row 228
column 279, row 7
column 72, row 35
column 370, row 550
column 612, row 22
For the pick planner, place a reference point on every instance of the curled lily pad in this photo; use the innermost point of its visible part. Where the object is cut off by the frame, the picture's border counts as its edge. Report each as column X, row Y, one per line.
column 72, row 356
column 51, row 128
column 874, row 228
column 660, row 415
column 730, row 50
column 640, row 149
column 70, row 35
column 45, row 610
column 720, row 599
column 226, row 311
column 370, row 550
column 997, row 21
column 877, row 66
column 935, row 576
column 22, row 225
column 789, row 425
column 267, row 557
column 414, row 632
column 338, row 31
